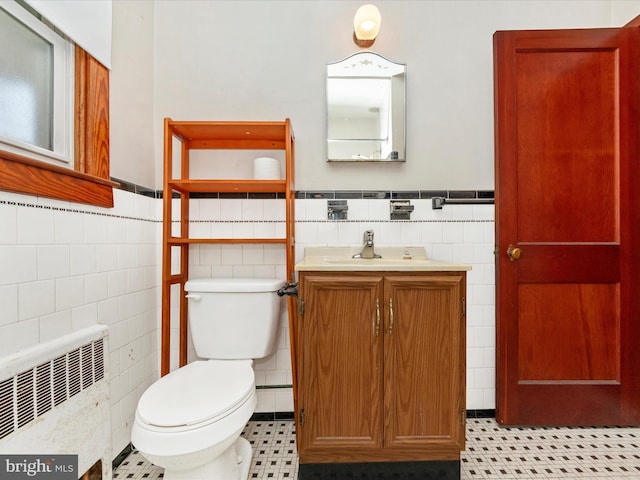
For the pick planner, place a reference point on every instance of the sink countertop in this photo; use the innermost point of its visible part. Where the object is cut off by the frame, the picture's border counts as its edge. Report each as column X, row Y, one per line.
column 393, row 259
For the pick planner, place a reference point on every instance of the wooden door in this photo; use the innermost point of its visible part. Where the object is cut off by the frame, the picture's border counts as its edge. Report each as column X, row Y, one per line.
column 425, row 365
column 341, row 372
column 567, row 175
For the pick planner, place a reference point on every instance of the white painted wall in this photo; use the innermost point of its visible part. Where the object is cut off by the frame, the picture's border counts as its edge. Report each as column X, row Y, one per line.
column 131, row 94
column 230, row 60
column 623, row 11
column 246, row 60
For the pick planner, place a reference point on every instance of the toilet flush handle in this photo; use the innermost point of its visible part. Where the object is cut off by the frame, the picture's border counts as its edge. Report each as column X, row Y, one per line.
column 290, row 289
column 197, row 298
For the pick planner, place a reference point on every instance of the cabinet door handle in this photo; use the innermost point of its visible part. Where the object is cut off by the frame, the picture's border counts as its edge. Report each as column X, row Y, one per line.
column 377, row 317
column 390, row 316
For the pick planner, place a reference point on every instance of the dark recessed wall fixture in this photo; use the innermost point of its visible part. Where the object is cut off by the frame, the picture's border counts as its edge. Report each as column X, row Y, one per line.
column 337, row 209
column 401, row 209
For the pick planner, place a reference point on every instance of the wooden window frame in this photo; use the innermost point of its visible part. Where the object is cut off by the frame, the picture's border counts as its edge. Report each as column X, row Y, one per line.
column 89, row 182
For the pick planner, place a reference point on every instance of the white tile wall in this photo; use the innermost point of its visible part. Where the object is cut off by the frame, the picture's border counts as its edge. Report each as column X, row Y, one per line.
column 63, row 266
column 460, row 233
column 66, row 266
column 241, row 219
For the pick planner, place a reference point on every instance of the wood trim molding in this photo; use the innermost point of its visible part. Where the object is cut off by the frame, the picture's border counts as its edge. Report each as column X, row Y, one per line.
column 91, row 115
column 24, row 175
column 89, row 183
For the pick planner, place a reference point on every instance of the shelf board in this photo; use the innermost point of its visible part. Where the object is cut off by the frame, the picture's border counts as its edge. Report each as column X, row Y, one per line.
column 230, row 135
column 206, row 186
column 189, row 241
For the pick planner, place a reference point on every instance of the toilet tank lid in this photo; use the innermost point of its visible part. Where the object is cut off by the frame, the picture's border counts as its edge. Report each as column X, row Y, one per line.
column 234, row 285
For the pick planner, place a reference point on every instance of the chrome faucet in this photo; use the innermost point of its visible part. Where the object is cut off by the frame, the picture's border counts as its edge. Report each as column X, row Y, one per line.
column 367, row 247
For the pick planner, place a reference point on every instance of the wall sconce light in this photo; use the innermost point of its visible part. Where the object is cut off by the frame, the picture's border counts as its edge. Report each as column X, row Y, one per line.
column 366, row 25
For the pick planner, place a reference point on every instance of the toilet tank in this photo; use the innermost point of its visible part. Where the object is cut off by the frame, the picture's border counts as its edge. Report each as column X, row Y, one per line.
column 234, row 318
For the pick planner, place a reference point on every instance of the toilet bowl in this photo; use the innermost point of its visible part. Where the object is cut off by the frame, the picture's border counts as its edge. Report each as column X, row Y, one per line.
column 189, row 422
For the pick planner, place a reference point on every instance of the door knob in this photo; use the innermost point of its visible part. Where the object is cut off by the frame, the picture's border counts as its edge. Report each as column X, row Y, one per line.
column 513, row 253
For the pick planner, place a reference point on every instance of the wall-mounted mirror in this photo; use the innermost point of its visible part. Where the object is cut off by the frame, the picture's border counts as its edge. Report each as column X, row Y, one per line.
column 366, row 109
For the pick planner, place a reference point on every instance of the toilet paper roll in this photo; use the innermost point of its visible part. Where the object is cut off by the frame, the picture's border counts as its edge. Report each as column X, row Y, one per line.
column 266, row 168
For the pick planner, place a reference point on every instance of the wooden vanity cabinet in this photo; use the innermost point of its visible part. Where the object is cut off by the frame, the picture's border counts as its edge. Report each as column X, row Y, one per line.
column 381, row 366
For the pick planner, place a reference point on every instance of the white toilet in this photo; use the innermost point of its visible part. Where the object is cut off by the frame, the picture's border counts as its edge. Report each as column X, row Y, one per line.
column 189, row 421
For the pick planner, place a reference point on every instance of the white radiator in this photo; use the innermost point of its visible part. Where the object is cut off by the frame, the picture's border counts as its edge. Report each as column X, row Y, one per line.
column 54, row 399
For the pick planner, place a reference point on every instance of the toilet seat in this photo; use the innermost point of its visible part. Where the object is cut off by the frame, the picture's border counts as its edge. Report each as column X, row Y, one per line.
column 198, row 394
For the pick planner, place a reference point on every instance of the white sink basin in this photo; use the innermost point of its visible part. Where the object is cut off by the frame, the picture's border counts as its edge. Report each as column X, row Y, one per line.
column 393, row 259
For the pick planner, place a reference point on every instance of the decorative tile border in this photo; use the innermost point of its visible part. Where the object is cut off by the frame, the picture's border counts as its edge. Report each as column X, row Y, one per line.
column 134, row 188
column 55, row 208
column 392, row 195
column 323, row 194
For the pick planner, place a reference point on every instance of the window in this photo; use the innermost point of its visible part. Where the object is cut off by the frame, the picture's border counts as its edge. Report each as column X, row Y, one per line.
column 86, row 178
column 36, row 88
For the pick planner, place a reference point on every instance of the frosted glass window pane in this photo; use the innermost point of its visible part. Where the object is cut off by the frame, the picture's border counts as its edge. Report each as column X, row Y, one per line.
column 26, row 84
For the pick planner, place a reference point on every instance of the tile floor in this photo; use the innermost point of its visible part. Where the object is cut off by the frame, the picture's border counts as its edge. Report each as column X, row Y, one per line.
column 492, row 452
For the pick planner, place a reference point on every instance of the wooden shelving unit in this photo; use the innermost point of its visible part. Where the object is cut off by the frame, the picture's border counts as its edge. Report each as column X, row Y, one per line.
column 203, row 135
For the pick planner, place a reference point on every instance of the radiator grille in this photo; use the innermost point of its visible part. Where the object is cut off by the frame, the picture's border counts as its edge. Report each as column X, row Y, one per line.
column 31, row 393
column 74, row 377
column 59, row 380
column 24, row 397
column 7, row 416
column 43, row 388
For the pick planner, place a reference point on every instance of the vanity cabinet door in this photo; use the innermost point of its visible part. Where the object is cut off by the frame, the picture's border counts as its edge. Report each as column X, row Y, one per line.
column 381, row 367
column 340, row 375
column 425, row 364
